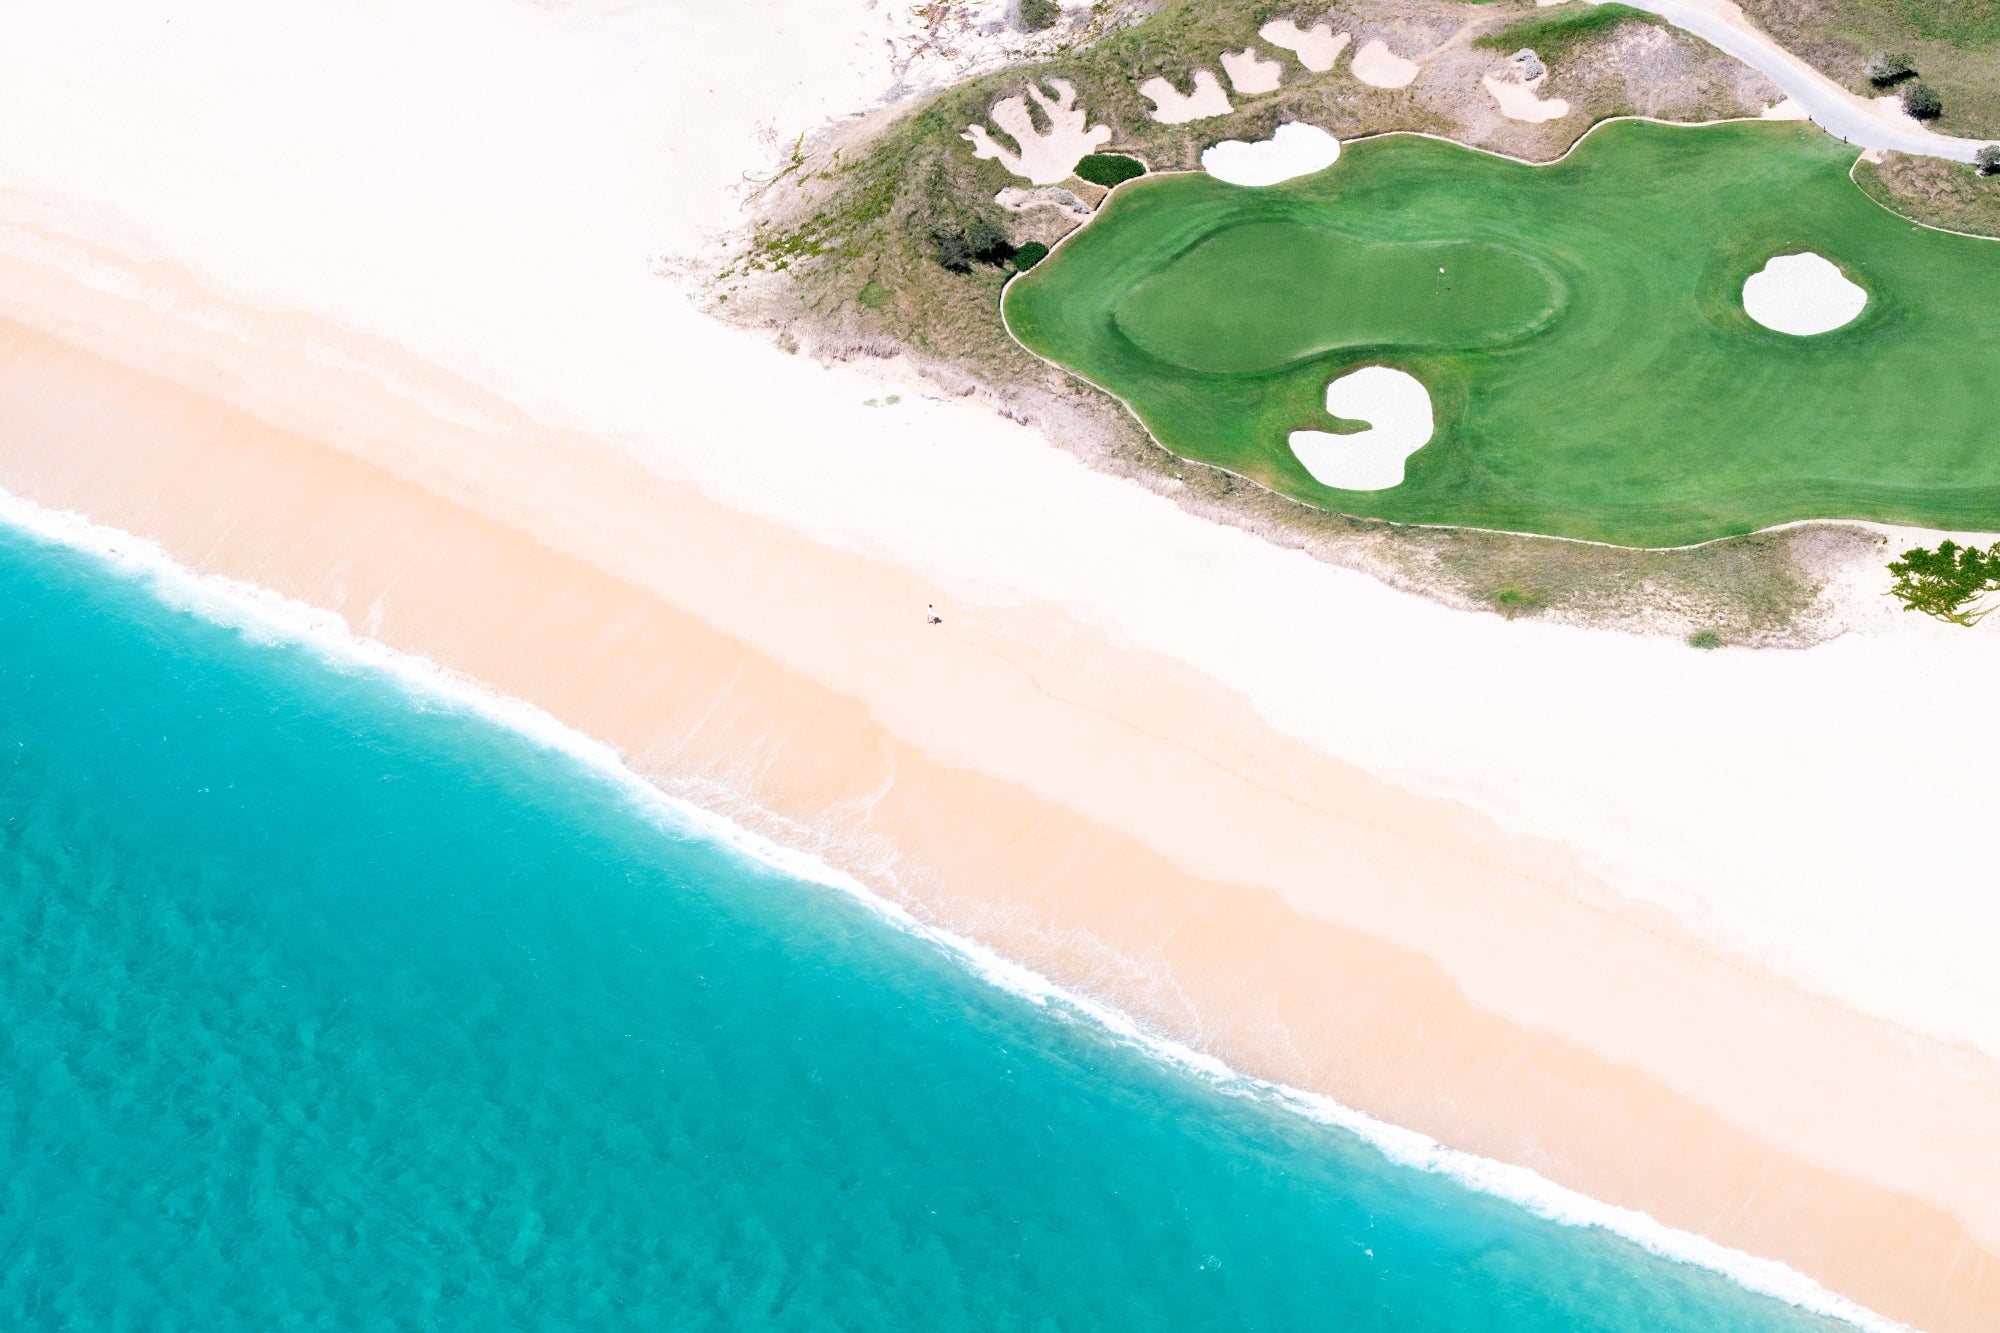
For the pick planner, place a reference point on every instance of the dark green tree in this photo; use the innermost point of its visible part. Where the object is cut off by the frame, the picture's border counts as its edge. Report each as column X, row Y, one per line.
column 1922, row 101
column 952, row 251
column 988, row 243
column 1987, row 159
column 1946, row 582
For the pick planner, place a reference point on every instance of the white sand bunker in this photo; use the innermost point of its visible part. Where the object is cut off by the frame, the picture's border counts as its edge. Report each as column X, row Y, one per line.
column 1379, row 67
column 1292, row 150
column 1802, row 294
column 1250, row 74
column 1317, row 48
column 1520, row 100
column 1396, row 407
column 1171, row 106
column 1044, row 159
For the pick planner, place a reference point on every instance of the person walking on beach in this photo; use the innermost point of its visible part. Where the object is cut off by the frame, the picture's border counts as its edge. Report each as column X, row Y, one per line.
column 931, row 617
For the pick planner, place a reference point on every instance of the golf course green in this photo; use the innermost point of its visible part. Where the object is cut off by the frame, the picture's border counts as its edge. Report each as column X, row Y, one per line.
column 1590, row 366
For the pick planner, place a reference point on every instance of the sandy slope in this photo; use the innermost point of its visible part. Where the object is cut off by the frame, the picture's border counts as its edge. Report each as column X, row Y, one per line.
column 1315, row 823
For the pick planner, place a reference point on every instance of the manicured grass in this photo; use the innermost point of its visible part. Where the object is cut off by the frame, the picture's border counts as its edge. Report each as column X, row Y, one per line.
column 1590, row 366
column 1234, row 302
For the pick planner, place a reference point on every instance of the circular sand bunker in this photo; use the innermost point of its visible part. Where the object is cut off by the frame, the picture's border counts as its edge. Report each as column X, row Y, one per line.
column 1397, row 408
column 1802, row 294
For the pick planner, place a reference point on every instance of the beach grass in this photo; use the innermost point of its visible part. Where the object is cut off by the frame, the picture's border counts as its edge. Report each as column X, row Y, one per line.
column 1592, row 371
column 1555, row 36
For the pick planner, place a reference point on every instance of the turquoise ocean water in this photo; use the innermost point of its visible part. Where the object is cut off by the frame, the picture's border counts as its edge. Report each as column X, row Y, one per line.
column 322, row 1007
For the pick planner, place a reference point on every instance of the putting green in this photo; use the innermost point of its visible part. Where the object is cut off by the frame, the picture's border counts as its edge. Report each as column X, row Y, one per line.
column 1589, row 363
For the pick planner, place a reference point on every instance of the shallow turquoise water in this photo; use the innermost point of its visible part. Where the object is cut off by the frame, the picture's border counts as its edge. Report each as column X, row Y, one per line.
column 323, row 1009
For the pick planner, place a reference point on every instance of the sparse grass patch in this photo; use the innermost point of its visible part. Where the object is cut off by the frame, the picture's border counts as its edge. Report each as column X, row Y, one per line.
column 873, row 295
column 1707, row 640
column 1934, row 192
column 1513, row 600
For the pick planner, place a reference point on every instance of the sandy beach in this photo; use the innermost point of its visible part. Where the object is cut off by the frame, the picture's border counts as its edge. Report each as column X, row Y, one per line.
column 1644, row 920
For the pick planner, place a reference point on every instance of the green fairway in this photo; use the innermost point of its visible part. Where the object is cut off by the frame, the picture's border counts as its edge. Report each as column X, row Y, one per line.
column 1590, row 366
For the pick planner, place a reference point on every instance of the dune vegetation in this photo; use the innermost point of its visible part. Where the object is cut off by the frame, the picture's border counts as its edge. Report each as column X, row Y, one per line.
column 1579, row 326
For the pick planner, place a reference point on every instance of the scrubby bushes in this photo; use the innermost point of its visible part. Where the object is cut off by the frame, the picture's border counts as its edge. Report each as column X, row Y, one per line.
column 1107, row 169
column 1887, row 67
column 1039, row 14
column 979, row 242
column 1987, row 160
column 1947, row 583
column 1922, row 101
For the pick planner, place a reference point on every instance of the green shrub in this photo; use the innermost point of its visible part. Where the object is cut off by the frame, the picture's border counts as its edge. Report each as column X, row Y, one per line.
column 1107, row 169
column 873, row 295
column 1705, row 639
column 1029, row 255
column 1039, row 14
column 1887, row 67
column 1922, row 101
column 1987, row 159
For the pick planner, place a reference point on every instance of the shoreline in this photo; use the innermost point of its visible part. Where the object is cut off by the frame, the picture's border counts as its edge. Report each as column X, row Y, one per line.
column 1646, row 921
column 1325, row 988
column 257, row 612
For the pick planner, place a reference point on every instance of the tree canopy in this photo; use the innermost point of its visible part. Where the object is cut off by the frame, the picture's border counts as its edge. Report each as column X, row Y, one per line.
column 1946, row 583
column 1922, row 101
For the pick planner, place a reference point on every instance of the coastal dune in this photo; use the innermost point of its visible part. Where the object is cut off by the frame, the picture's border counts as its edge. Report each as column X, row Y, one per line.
column 1598, row 906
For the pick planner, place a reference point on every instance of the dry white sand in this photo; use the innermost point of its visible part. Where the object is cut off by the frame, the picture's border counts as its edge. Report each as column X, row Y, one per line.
column 1520, row 100
column 1397, row 408
column 1317, row 48
column 1785, row 108
column 1171, row 106
column 1249, row 73
column 1294, row 149
column 1802, row 294
column 1044, row 157
column 1379, row 67
column 224, row 211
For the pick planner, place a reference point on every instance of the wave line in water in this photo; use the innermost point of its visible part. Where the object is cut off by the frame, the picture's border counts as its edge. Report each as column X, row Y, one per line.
column 269, row 618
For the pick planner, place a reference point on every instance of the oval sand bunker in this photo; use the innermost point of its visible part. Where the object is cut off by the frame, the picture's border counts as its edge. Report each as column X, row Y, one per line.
column 1292, row 150
column 1802, row 294
column 1397, row 408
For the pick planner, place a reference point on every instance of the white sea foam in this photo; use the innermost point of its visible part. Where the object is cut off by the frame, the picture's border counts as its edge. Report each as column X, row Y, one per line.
column 266, row 617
